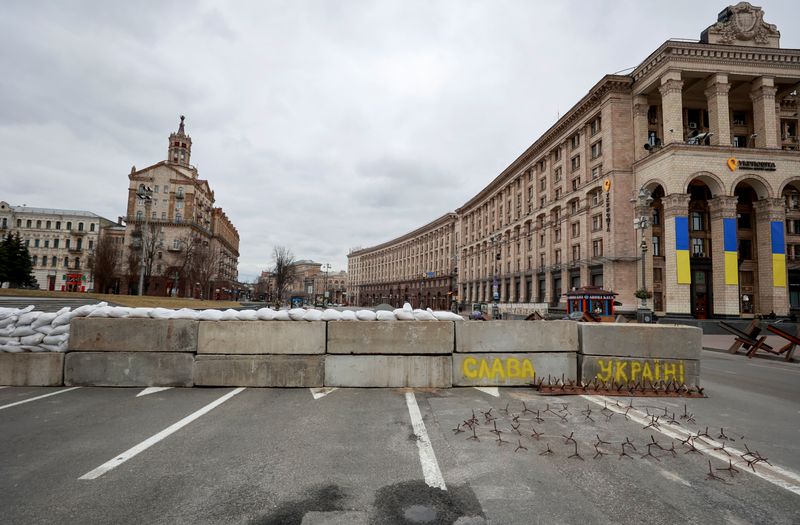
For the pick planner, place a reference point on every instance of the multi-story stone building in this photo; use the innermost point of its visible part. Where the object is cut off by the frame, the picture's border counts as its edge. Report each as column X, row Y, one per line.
column 61, row 243
column 700, row 140
column 190, row 246
column 309, row 285
column 418, row 267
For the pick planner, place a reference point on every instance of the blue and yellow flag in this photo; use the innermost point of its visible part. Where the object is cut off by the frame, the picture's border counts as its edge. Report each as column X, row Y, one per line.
column 682, row 250
column 731, row 251
column 778, row 254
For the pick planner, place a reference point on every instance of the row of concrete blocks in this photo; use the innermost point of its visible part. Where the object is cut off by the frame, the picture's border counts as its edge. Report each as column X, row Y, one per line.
column 145, row 352
column 130, row 369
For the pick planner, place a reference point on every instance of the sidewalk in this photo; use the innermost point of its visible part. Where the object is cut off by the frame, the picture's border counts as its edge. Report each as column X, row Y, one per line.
column 721, row 343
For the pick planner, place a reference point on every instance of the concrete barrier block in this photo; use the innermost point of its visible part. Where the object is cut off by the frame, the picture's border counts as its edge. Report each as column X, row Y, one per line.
column 260, row 370
column 261, row 337
column 641, row 340
column 495, row 369
column 90, row 334
column 32, row 369
column 516, row 336
column 399, row 337
column 388, row 371
column 128, row 369
column 622, row 370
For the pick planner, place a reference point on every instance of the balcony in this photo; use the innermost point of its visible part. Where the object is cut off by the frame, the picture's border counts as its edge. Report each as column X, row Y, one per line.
column 79, row 233
column 179, row 196
column 75, row 249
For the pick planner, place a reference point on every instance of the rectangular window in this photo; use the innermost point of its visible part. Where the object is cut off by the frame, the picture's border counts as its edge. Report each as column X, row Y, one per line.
column 595, row 126
column 46, row 243
column 575, row 162
column 597, row 171
column 597, row 222
column 55, row 243
column 66, row 244
column 698, row 222
column 48, row 224
column 557, row 255
column 558, row 193
column 36, row 243
column 557, row 174
column 576, row 182
column 576, row 252
column 155, row 190
column 575, row 140
column 739, row 118
column 576, row 229
column 746, row 249
column 38, row 224
column 58, row 225
column 29, row 223
column 91, row 227
column 556, row 154
column 743, row 221
column 597, row 248
column 597, row 149
column 698, row 247
column 543, row 183
column 557, row 234
column 656, row 246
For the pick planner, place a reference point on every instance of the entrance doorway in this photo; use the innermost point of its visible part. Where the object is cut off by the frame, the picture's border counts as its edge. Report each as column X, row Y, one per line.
column 51, row 282
column 701, row 294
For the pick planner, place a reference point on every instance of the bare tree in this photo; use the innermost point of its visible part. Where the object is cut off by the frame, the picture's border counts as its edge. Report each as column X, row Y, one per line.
column 104, row 263
column 205, row 263
column 284, row 272
column 133, row 263
column 151, row 245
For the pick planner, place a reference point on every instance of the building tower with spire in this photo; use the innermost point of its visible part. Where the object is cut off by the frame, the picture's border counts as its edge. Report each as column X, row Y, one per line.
column 180, row 146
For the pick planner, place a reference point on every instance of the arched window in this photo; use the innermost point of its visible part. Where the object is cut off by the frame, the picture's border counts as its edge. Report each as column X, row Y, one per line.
column 139, row 215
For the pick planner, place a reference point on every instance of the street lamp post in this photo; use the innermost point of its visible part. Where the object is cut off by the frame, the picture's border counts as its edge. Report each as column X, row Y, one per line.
column 325, row 286
column 145, row 193
column 642, row 222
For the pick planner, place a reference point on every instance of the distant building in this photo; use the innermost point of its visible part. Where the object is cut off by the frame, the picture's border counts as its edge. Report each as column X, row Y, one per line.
column 191, row 248
column 310, row 284
column 61, row 243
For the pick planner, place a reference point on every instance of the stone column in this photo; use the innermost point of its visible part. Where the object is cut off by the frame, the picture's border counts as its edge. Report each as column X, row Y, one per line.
column 677, row 295
column 719, row 122
column 671, row 90
column 523, row 288
column 512, row 296
column 764, row 117
column 640, row 109
column 724, row 255
column 771, row 255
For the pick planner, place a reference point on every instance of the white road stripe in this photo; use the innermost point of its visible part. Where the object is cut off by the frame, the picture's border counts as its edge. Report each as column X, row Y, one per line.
column 2, row 387
column 38, row 397
column 322, row 392
column 149, row 442
column 152, row 390
column 774, row 474
column 430, row 468
column 491, row 390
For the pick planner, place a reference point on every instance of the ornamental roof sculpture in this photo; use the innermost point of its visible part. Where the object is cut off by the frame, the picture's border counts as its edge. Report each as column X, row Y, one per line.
column 742, row 25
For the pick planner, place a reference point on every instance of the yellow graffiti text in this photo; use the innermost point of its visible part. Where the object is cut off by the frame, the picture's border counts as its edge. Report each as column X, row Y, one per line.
column 624, row 371
column 499, row 368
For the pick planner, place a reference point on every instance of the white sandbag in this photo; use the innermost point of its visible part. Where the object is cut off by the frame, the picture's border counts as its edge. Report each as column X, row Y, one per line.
column 34, row 339
column 7, row 332
column 183, row 313
column 53, row 348
column 46, row 329
column 229, row 315
column 210, row 315
column 45, row 319
column 12, row 349
column 312, row 315
column 402, row 314
column 139, row 313
column 100, row 312
column 247, row 315
column 366, row 315
column 22, row 311
column 54, row 339
column 349, row 315
column 119, row 312
column 83, row 311
column 423, row 315
column 63, row 319
column 33, row 348
column 7, row 312
column 162, row 313
column 282, row 315
column 56, row 330
column 63, row 310
column 9, row 340
column 407, row 307
column 383, row 315
column 297, row 314
column 28, row 318
column 331, row 315
column 23, row 331
column 443, row 315
column 265, row 314
column 9, row 321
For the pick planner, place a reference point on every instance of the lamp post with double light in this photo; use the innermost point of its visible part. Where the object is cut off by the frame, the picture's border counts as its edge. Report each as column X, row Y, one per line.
column 145, row 194
column 642, row 223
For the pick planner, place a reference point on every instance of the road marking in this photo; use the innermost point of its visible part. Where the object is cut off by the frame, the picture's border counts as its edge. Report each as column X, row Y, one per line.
column 430, row 468
column 152, row 390
column 2, row 387
column 491, row 390
column 149, row 442
column 322, row 392
column 774, row 474
column 38, row 397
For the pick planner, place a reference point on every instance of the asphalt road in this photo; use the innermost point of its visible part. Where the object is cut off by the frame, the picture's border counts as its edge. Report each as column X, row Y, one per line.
column 354, row 455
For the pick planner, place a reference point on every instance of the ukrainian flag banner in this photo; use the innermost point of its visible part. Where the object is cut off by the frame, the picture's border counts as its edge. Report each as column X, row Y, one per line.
column 731, row 252
column 778, row 254
column 682, row 250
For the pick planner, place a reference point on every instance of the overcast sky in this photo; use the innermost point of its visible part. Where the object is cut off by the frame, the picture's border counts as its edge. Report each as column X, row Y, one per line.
column 321, row 126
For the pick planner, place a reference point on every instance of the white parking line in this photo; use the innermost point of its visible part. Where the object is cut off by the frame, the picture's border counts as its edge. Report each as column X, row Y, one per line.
column 430, row 468
column 152, row 390
column 776, row 475
column 322, row 392
column 2, row 387
column 149, row 442
column 38, row 397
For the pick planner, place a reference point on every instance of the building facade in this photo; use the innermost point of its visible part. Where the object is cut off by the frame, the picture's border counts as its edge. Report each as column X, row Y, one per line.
column 313, row 284
column 189, row 246
column 679, row 179
column 61, row 243
column 419, row 268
